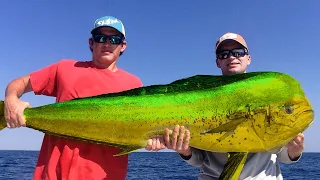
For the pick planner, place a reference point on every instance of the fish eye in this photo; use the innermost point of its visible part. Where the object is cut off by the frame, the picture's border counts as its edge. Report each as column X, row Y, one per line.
column 289, row 108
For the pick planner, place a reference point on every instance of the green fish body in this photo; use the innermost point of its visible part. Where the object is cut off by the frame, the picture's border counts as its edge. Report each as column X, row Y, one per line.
column 250, row 112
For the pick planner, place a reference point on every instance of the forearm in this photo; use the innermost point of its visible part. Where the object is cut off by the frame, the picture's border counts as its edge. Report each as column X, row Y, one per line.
column 18, row 87
column 196, row 159
column 284, row 157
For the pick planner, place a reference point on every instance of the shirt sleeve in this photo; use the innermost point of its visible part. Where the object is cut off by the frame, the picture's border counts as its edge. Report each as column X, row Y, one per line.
column 43, row 81
column 283, row 156
column 137, row 82
column 196, row 158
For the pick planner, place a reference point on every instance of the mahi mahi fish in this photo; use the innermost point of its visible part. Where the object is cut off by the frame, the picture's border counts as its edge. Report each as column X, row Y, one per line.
column 237, row 114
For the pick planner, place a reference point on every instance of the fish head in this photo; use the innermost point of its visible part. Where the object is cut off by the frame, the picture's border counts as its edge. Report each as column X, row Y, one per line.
column 285, row 111
column 285, row 120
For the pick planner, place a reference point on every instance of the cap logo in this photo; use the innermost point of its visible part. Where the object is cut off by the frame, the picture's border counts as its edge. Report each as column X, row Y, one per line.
column 228, row 36
column 107, row 22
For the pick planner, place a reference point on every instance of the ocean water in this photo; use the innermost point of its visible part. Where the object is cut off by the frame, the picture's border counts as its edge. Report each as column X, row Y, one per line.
column 156, row 166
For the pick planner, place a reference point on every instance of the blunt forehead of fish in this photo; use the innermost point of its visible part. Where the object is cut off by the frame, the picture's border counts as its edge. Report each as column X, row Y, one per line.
column 284, row 113
column 288, row 120
column 288, row 113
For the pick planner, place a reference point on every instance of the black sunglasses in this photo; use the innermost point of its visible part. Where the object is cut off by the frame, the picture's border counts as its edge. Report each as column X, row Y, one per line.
column 113, row 39
column 225, row 54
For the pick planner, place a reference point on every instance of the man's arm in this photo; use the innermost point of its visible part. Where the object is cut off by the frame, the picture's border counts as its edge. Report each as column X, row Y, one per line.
column 18, row 87
column 293, row 151
column 14, row 107
column 195, row 159
column 179, row 142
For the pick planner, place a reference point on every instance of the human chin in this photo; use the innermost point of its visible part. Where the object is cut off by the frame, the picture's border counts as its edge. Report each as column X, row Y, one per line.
column 233, row 70
column 107, row 57
column 233, row 66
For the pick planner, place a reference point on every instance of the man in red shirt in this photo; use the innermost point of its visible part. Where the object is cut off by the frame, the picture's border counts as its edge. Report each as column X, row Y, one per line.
column 62, row 158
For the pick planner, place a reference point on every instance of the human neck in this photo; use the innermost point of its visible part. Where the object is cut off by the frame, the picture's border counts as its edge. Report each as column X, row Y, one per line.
column 111, row 67
column 232, row 73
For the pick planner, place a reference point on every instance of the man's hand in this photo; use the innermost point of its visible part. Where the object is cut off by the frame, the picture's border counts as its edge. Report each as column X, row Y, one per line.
column 155, row 144
column 178, row 142
column 296, row 147
column 14, row 108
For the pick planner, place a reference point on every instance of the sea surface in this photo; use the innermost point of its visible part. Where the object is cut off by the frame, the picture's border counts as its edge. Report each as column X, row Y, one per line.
column 156, row 166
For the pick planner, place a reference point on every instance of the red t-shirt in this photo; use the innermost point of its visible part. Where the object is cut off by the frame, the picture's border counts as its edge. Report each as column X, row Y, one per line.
column 62, row 158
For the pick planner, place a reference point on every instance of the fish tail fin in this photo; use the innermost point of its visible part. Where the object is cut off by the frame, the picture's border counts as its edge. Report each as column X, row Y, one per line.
column 3, row 123
column 233, row 167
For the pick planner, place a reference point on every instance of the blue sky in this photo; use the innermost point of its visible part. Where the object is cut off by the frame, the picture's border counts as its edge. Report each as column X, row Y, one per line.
column 167, row 41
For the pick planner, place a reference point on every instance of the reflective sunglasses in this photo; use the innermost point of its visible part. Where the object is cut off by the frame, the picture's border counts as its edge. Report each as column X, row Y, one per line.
column 113, row 39
column 225, row 54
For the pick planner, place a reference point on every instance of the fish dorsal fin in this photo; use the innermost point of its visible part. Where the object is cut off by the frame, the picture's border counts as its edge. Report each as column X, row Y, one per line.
column 193, row 83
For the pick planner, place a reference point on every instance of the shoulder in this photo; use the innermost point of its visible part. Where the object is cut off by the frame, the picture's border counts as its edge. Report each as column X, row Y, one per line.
column 130, row 77
column 62, row 63
column 71, row 62
column 68, row 64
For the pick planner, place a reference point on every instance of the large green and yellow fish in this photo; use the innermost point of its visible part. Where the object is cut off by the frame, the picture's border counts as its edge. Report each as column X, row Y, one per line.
column 238, row 114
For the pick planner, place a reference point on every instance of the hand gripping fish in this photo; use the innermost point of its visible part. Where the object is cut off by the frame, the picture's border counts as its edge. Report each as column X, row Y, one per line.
column 237, row 114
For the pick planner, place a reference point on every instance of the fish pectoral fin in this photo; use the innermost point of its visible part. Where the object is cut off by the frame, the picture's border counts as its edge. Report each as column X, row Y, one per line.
column 225, row 136
column 227, row 127
column 234, row 166
column 127, row 149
